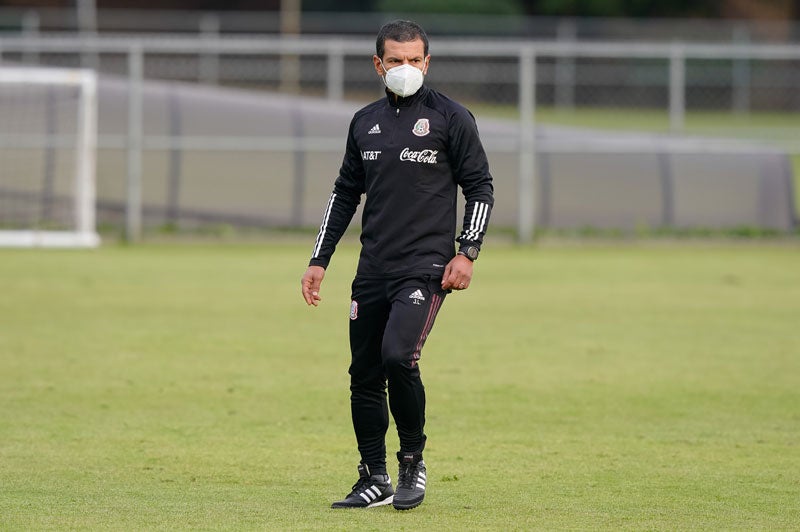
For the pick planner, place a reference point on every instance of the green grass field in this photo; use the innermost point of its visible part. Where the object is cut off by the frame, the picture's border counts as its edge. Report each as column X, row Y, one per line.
column 642, row 386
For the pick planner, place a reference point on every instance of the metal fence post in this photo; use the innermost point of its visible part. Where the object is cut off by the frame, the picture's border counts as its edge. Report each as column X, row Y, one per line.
column 30, row 30
column 565, row 67
column 209, row 61
column 677, row 88
column 87, row 27
column 335, row 72
column 133, row 204
column 527, row 145
column 291, row 17
column 740, row 98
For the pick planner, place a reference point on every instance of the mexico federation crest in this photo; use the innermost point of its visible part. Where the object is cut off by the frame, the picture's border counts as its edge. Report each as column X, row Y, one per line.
column 353, row 309
column 422, row 127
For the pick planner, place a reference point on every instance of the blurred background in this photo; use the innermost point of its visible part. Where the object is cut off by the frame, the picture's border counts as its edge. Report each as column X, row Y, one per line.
column 597, row 116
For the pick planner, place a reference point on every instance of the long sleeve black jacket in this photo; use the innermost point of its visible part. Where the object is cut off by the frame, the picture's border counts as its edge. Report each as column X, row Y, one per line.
column 409, row 156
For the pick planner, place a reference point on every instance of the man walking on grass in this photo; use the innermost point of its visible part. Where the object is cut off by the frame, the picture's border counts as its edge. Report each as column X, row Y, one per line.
column 408, row 153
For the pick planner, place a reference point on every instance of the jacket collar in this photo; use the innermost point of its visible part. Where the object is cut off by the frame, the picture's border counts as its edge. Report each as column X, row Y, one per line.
column 398, row 101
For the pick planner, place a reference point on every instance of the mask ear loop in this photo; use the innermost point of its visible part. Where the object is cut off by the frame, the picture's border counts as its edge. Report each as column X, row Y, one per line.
column 385, row 72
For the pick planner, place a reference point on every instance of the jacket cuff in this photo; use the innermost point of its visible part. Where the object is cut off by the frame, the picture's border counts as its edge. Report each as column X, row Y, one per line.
column 319, row 262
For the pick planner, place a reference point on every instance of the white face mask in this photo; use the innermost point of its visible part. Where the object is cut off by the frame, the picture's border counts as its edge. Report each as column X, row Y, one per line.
column 403, row 80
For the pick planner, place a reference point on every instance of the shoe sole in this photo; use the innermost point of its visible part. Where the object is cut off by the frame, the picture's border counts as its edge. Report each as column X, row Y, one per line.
column 384, row 502
column 408, row 506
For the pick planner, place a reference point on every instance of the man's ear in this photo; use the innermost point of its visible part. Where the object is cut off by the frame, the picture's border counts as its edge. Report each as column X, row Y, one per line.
column 376, row 61
column 426, row 65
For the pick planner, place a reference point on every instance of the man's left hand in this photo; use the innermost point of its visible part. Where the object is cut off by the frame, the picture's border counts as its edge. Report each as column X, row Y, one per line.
column 457, row 274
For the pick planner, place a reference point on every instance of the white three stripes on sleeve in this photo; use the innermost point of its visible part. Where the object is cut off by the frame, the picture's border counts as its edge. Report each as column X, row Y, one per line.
column 323, row 228
column 477, row 223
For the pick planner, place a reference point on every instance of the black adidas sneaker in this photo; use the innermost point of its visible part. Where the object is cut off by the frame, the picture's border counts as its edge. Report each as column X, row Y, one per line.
column 410, row 482
column 369, row 491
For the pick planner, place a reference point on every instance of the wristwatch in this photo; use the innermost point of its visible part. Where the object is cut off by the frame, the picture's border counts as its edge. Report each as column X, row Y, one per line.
column 471, row 252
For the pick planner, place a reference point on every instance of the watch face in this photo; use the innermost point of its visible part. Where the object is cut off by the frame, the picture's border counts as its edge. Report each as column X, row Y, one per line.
column 472, row 252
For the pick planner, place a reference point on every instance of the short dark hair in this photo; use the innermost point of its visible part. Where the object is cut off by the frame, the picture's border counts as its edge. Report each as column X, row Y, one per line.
column 400, row 31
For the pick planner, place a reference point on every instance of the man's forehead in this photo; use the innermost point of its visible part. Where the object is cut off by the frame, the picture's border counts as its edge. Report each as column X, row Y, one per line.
column 407, row 48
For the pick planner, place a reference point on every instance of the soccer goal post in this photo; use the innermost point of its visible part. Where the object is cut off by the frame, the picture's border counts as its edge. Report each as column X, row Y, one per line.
column 48, row 143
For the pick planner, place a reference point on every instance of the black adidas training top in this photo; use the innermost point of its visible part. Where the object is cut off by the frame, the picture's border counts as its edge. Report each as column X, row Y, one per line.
column 409, row 157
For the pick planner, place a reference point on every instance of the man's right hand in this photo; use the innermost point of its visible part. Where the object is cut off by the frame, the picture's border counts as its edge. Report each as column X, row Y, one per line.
column 310, row 283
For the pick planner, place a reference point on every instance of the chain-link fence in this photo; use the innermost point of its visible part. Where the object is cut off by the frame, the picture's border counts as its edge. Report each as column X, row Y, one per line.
column 531, row 98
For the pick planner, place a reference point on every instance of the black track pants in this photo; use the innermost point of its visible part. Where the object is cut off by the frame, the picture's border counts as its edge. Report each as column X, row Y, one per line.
column 390, row 319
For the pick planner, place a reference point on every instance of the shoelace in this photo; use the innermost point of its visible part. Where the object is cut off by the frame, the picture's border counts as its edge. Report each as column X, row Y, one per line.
column 405, row 477
column 360, row 484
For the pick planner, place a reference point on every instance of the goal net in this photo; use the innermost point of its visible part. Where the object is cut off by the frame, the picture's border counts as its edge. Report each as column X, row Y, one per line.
column 48, row 138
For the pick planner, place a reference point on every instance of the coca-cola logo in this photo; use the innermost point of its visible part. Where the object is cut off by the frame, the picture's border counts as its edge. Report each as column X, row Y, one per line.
column 422, row 156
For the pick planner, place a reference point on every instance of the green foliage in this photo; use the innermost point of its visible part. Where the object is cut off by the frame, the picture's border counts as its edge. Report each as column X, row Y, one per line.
column 339, row 5
column 642, row 387
column 585, row 8
column 481, row 7
column 624, row 8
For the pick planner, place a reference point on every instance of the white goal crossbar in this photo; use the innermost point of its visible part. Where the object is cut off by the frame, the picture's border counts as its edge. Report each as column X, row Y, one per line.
column 83, row 233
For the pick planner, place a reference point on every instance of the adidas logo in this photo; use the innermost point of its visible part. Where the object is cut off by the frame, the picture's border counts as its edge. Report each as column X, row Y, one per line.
column 421, row 480
column 370, row 494
column 375, row 130
column 417, row 296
